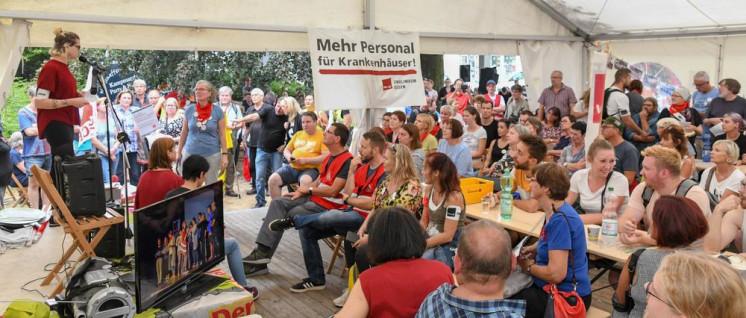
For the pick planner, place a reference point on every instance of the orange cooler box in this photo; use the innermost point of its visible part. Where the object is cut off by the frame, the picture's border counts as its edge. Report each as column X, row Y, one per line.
column 475, row 188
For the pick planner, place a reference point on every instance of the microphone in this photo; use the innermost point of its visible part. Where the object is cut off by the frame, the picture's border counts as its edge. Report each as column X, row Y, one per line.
column 91, row 63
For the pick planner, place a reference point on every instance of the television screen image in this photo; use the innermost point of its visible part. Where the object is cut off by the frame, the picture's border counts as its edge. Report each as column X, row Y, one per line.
column 176, row 240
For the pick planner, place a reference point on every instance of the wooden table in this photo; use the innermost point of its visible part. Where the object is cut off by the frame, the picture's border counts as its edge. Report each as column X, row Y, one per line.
column 522, row 222
column 701, row 165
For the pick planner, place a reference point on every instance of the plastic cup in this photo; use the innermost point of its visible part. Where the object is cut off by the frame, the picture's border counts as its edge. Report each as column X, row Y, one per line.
column 486, row 204
column 593, row 232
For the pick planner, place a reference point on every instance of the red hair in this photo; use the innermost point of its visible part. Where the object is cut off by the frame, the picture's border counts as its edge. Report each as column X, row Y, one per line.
column 678, row 222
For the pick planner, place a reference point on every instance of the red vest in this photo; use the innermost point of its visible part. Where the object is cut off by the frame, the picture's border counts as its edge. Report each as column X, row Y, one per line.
column 364, row 186
column 327, row 178
column 496, row 103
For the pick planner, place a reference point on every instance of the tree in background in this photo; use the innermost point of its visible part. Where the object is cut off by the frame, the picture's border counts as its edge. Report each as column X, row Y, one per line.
column 179, row 70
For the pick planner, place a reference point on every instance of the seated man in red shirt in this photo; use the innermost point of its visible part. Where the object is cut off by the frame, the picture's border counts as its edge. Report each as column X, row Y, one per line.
column 321, row 195
column 358, row 201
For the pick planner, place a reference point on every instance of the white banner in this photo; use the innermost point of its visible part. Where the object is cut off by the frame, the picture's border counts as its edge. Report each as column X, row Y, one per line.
column 365, row 69
column 595, row 109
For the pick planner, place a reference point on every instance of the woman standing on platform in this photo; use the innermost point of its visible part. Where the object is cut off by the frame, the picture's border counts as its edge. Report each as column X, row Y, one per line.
column 57, row 96
column 559, row 257
column 204, row 133
column 677, row 224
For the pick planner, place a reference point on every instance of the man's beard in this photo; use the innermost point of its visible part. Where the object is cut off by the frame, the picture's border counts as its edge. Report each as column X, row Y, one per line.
column 522, row 166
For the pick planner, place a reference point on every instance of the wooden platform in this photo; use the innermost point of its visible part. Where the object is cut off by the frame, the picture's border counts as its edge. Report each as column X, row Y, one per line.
column 287, row 268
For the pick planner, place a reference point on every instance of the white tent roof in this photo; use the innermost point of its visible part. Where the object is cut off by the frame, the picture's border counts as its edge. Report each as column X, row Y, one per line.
column 545, row 32
column 616, row 19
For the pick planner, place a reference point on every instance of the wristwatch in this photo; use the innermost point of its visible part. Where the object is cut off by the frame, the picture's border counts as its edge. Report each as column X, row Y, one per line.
column 310, row 190
column 528, row 269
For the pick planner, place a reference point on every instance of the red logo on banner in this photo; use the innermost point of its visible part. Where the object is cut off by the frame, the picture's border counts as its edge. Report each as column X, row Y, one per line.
column 387, row 84
column 598, row 97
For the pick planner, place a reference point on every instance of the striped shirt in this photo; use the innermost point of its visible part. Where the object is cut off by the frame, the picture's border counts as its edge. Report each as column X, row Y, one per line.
column 561, row 99
column 441, row 303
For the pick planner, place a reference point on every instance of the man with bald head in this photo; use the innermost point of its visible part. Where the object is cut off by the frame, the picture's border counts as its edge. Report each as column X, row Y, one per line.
column 482, row 264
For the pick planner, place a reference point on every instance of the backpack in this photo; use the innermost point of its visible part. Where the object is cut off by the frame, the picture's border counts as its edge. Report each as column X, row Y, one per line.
column 607, row 92
column 713, row 200
column 629, row 302
column 681, row 191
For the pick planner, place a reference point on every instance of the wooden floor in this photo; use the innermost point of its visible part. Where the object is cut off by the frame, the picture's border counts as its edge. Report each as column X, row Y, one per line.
column 287, row 268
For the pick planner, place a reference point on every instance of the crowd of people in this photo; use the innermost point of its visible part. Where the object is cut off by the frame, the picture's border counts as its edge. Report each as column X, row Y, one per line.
column 398, row 201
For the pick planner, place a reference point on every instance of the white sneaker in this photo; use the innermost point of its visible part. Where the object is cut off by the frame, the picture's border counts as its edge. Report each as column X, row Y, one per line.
column 340, row 301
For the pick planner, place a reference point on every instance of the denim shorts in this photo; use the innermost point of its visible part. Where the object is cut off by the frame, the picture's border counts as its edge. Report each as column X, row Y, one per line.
column 44, row 162
column 290, row 175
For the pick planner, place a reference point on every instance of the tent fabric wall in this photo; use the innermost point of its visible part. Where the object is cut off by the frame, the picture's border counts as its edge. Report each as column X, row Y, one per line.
column 684, row 57
column 13, row 39
column 541, row 58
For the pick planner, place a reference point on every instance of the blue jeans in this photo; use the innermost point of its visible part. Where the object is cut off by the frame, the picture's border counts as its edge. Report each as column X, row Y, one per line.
column 134, row 175
column 106, row 164
column 317, row 226
column 235, row 262
column 339, row 220
column 444, row 253
column 264, row 162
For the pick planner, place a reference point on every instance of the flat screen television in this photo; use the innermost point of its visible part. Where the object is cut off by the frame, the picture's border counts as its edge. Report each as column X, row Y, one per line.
column 176, row 241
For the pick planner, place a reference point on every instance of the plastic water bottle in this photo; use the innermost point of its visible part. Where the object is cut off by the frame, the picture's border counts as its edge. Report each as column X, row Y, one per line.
column 609, row 215
column 506, row 200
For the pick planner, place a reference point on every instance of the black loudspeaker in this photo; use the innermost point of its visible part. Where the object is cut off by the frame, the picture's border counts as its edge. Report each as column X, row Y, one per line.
column 464, row 72
column 485, row 75
column 112, row 245
column 83, row 185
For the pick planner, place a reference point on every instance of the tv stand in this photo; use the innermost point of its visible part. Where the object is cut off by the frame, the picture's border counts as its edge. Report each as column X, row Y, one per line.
column 195, row 288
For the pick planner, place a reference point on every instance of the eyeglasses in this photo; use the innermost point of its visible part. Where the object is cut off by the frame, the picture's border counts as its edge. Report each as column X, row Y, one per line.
column 676, row 95
column 200, row 89
column 648, row 287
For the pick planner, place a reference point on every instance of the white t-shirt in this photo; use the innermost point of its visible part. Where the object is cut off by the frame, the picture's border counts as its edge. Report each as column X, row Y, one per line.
column 591, row 201
column 472, row 138
column 732, row 183
column 618, row 104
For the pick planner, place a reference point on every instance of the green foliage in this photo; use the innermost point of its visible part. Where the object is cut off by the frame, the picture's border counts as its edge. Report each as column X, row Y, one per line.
column 17, row 99
column 179, row 70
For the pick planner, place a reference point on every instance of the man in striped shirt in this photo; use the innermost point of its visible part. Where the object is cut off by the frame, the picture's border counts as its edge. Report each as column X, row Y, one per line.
column 558, row 95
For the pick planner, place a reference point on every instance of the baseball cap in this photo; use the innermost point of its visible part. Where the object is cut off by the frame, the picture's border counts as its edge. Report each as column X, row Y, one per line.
column 491, row 82
column 616, row 122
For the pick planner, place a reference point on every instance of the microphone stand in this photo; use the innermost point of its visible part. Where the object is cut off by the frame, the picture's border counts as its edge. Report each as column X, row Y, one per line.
column 123, row 138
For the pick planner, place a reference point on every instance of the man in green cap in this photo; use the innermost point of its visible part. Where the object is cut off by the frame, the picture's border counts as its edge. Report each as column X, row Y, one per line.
column 627, row 156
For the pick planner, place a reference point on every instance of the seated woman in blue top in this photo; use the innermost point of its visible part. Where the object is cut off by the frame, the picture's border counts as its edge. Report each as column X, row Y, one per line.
column 562, row 236
column 455, row 148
